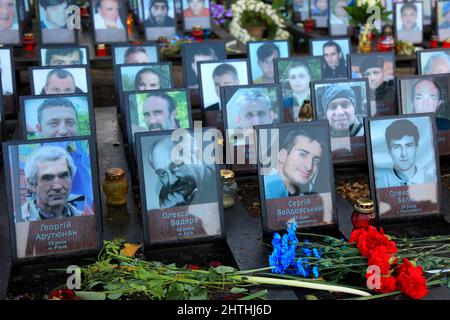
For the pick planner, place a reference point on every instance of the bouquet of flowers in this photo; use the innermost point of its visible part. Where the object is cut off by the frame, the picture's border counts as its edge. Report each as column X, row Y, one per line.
column 391, row 265
column 360, row 12
column 220, row 14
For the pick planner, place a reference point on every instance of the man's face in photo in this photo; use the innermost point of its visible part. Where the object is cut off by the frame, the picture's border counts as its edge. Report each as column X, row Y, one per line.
column 266, row 65
column 439, row 66
column 409, row 18
column 196, row 6
column 447, row 16
column 403, row 153
column 331, row 56
column 180, row 181
column 375, row 77
column 54, row 184
column 322, row 5
column 426, row 97
column 56, row 85
column 149, row 81
column 57, row 122
column 226, row 79
column 299, row 79
column 109, row 10
column 198, row 58
column 301, row 164
column 253, row 113
column 137, row 57
column 7, row 10
column 70, row 59
column 339, row 9
column 56, row 14
column 157, row 116
column 159, row 12
column 341, row 114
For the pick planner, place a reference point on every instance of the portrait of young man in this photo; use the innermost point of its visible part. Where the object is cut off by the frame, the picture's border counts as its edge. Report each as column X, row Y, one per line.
column 6, row 72
column 108, row 24
column 140, row 77
column 54, row 21
column 159, row 18
column 434, row 61
column 175, row 182
column 64, row 56
column 135, row 54
column 262, row 56
column 335, row 65
column 56, row 117
column 196, row 52
column 196, row 13
column 381, row 84
column 443, row 20
column 339, row 21
column 9, row 22
column 299, row 172
column 59, row 81
column 320, row 12
column 409, row 21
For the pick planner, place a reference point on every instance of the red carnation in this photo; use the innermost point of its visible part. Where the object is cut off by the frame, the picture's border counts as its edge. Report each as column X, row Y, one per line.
column 356, row 234
column 64, row 294
column 410, row 280
column 372, row 239
column 215, row 264
column 193, row 267
column 388, row 284
column 380, row 258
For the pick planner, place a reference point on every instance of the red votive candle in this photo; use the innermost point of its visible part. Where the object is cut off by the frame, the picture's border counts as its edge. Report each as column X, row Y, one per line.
column 101, row 50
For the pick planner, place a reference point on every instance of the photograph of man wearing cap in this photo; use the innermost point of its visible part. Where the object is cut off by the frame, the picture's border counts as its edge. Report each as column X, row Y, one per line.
column 381, row 91
column 340, row 106
column 159, row 15
column 402, row 141
column 444, row 21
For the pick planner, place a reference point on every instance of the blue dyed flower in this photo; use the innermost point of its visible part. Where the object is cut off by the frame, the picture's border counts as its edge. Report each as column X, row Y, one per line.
column 316, row 253
column 315, row 271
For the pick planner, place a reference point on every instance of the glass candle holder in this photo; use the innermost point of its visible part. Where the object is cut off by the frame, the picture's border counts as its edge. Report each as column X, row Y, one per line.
column 115, row 187
column 101, row 50
column 197, row 32
column 29, row 43
column 229, row 188
column 364, row 214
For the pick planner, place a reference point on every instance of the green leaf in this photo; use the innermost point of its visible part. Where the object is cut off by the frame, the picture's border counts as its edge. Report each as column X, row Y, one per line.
column 238, row 290
column 224, row 269
column 91, row 295
column 93, row 284
column 311, row 297
column 114, row 296
column 175, row 292
column 256, row 295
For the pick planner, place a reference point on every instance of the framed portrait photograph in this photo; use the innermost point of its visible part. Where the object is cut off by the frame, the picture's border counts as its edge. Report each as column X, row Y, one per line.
column 191, row 53
column 156, row 110
column 379, row 69
column 244, row 107
column 296, row 179
column 428, row 94
column 10, row 26
column 2, row 117
column 180, row 188
column 54, row 22
column 64, row 56
column 126, row 53
column 212, row 76
column 196, row 13
column 8, row 79
column 319, row 12
column 409, row 21
column 294, row 76
column 338, row 20
column 334, row 53
column 145, row 76
column 261, row 55
column 60, row 116
column 300, row 10
column 53, row 200
column 433, row 61
column 159, row 19
column 403, row 166
column 59, row 80
column 109, row 21
column 344, row 103
column 443, row 20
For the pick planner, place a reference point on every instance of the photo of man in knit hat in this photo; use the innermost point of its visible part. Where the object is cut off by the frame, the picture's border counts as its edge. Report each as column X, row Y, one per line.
column 342, row 108
column 382, row 89
column 443, row 20
column 159, row 19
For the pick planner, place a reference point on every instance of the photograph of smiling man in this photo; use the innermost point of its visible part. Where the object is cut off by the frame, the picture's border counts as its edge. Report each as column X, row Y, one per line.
column 9, row 22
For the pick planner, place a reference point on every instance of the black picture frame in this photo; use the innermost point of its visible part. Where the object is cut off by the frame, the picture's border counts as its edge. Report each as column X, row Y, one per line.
column 411, row 217
column 2, row 117
column 23, row 113
column 352, row 62
column 346, row 152
column 348, row 50
column 439, row 9
column 10, row 100
column 129, row 132
column 97, row 216
column 419, row 12
column 148, row 243
column 152, row 33
column 43, row 50
column 188, row 51
column 235, row 152
column 271, row 223
column 443, row 134
column 420, row 59
column 213, row 118
column 188, row 27
column 9, row 38
column 250, row 55
column 121, row 90
column 289, row 115
column 32, row 70
column 122, row 18
column 43, row 38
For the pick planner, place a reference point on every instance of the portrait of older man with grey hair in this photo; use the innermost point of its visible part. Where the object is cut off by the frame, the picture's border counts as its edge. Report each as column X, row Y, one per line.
column 437, row 63
column 49, row 175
